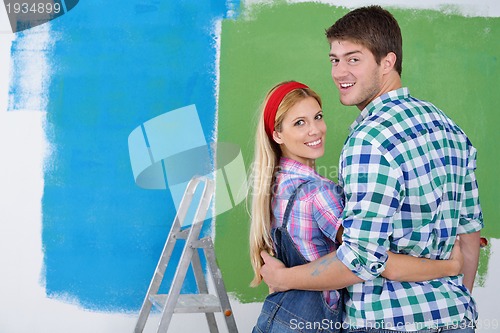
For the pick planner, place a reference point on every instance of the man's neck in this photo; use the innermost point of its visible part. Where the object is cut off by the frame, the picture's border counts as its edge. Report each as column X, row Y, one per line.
column 392, row 82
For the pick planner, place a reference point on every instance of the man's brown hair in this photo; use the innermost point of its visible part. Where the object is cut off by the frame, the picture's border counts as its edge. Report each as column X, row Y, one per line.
column 373, row 27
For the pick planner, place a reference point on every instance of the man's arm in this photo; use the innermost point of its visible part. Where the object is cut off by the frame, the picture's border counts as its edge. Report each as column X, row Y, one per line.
column 470, row 244
column 471, row 222
column 325, row 273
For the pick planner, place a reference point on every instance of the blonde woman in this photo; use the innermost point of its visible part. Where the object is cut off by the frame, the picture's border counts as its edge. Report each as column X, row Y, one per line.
column 295, row 212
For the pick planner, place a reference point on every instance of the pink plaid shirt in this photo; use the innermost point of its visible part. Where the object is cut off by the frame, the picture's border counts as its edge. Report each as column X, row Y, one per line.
column 314, row 218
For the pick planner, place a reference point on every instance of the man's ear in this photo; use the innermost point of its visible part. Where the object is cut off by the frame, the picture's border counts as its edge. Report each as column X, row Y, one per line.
column 388, row 62
column 277, row 138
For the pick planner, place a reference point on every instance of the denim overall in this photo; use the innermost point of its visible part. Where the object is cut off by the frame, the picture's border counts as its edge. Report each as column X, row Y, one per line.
column 295, row 310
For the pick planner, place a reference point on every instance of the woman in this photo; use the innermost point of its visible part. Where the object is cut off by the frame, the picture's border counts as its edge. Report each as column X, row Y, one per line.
column 295, row 212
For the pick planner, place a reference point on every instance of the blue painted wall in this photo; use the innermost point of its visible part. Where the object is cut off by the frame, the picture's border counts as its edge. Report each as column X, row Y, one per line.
column 115, row 67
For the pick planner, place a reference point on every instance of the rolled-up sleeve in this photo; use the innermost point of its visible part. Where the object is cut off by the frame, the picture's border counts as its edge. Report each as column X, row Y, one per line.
column 373, row 193
column 471, row 217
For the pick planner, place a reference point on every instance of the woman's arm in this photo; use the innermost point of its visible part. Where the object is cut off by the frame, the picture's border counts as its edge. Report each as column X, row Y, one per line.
column 401, row 267
column 324, row 273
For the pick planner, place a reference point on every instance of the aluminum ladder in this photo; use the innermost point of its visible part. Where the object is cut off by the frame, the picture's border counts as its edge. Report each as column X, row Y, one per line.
column 203, row 302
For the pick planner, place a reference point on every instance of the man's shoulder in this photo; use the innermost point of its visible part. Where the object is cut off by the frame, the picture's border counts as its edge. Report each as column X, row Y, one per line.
column 391, row 121
column 395, row 117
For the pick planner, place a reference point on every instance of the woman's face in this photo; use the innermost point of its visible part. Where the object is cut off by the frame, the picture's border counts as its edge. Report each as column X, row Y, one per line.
column 303, row 132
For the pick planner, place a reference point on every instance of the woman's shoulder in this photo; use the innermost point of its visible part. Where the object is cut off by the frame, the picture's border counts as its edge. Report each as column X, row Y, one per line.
column 320, row 186
column 294, row 176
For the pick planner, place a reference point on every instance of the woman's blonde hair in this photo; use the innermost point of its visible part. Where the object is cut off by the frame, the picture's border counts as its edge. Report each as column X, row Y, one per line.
column 266, row 160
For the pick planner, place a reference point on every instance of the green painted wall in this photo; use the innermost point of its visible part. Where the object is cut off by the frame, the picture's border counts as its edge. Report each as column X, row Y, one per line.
column 449, row 60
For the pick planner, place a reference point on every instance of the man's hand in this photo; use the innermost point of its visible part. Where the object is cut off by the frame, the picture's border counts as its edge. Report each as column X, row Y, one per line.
column 272, row 272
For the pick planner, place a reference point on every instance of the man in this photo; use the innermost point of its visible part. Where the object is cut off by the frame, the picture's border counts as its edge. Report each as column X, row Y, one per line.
column 408, row 176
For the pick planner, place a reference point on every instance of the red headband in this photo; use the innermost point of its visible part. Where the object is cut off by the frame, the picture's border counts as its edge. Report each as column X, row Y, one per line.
column 274, row 102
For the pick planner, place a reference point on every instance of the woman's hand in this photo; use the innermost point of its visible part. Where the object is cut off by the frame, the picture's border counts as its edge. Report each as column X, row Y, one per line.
column 456, row 258
column 271, row 272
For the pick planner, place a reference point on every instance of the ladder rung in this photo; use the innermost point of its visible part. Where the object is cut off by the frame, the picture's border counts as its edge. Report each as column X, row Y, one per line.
column 189, row 303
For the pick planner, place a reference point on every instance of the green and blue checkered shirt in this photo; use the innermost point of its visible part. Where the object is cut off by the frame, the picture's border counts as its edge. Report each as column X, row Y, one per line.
column 408, row 175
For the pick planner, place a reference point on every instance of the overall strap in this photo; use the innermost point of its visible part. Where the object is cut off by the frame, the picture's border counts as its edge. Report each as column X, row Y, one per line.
column 290, row 204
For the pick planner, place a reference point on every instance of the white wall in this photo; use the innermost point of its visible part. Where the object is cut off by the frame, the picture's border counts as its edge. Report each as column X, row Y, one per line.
column 23, row 304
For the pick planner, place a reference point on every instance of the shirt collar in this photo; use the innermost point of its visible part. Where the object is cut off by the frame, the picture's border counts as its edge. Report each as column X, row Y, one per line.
column 377, row 103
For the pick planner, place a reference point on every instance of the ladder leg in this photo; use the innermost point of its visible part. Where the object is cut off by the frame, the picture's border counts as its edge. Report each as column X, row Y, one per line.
column 175, row 231
column 157, row 278
column 220, row 288
column 187, row 253
column 203, row 289
column 175, row 288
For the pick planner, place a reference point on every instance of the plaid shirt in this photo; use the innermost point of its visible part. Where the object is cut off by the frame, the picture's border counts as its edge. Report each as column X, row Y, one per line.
column 315, row 215
column 408, row 177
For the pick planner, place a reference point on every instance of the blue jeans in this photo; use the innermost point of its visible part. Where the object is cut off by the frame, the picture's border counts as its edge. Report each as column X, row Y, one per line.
column 464, row 327
column 296, row 311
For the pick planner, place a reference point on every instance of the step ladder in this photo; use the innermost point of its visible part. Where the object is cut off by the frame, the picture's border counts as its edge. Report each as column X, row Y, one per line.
column 203, row 302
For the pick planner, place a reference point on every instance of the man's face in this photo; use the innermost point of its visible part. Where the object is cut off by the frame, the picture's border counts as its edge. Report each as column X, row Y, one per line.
column 355, row 73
